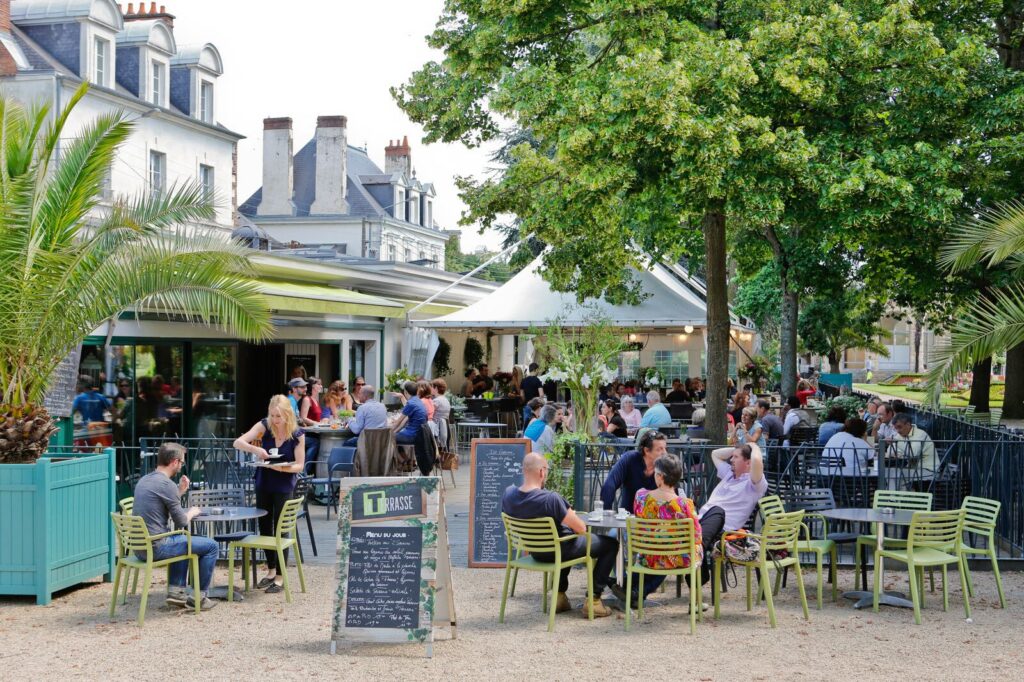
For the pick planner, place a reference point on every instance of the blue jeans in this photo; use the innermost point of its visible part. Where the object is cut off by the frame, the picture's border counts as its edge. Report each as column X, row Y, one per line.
column 352, row 442
column 177, row 545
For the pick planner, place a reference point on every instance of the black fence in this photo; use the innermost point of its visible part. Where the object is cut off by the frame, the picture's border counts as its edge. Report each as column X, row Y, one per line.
column 948, row 469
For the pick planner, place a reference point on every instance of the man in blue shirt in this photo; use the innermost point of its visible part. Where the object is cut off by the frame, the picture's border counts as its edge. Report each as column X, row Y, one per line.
column 414, row 415
column 657, row 414
column 90, row 403
column 296, row 392
column 634, row 470
column 371, row 415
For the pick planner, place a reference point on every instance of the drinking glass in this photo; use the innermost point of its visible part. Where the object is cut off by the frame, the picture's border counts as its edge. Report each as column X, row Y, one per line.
column 599, row 508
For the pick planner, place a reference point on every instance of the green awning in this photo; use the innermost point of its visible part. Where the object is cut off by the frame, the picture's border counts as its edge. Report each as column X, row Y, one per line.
column 324, row 300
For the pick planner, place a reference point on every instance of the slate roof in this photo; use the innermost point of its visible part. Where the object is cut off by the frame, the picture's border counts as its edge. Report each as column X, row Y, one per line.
column 361, row 203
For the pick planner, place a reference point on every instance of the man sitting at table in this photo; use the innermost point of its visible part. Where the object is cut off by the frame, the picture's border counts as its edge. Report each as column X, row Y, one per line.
column 883, row 429
column 657, row 414
column 913, row 443
column 371, row 415
column 741, row 483
column 414, row 415
column 634, row 470
column 531, row 501
column 157, row 499
column 773, row 426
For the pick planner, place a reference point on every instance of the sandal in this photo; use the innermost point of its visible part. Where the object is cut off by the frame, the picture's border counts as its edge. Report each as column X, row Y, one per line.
column 275, row 588
column 264, row 583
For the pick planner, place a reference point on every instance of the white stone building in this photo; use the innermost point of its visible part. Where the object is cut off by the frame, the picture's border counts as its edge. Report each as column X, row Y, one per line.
column 133, row 64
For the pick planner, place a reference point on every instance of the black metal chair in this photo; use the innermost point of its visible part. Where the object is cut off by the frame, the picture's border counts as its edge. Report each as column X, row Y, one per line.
column 340, row 460
column 303, row 487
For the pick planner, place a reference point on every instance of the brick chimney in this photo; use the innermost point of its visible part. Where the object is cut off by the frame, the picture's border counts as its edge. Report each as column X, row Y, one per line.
column 331, row 166
column 277, row 168
column 5, row 16
column 398, row 157
column 152, row 13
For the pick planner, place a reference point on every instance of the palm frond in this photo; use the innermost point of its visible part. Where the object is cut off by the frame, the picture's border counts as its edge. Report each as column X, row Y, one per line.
column 991, row 237
column 988, row 326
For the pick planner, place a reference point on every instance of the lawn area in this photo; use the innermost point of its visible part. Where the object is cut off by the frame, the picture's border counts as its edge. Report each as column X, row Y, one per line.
column 948, row 399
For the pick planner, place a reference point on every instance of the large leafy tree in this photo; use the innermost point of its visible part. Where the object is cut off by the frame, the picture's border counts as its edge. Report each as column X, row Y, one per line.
column 66, row 267
column 660, row 123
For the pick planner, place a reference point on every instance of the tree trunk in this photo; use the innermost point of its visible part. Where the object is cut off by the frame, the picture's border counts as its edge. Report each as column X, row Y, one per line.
column 981, row 384
column 718, row 323
column 833, row 362
column 1013, row 402
column 787, row 338
column 918, row 323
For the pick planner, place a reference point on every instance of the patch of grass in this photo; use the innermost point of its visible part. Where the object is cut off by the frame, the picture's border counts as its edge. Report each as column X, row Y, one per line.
column 947, row 400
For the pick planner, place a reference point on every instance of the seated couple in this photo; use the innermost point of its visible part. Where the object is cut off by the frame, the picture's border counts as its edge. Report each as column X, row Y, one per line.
column 648, row 483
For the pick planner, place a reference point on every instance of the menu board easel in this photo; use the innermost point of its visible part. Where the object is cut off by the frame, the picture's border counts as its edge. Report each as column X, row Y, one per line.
column 394, row 566
column 494, row 465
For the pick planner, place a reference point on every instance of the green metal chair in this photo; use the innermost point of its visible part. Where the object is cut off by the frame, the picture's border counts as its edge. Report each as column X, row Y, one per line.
column 127, row 505
column 527, row 536
column 772, row 504
column 980, row 516
column 134, row 537
column 282, row 539
column 904, row 500
column 781, row 531
column 668, row 538
column 934, row 540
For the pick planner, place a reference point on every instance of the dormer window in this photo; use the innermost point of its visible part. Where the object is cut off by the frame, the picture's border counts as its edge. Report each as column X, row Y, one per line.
column 206, row 102
column 414, row 210
column 159, row 83
column 102, row 61
column 428, row 219
column 400, row 205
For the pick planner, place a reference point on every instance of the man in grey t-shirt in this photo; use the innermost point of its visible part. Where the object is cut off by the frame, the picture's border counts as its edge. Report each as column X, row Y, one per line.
column 158, row 500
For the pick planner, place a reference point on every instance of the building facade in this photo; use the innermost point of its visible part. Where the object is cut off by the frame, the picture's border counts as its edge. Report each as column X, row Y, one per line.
column 331, row 194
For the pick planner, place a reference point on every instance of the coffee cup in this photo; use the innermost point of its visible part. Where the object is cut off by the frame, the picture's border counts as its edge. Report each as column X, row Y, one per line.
column 272, row 452
column 621, row 513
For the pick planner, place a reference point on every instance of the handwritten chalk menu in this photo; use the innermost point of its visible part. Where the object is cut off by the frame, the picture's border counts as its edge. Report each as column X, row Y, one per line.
column 384, row 577
column 394, row 567
column 495, row 464
column 60, row 394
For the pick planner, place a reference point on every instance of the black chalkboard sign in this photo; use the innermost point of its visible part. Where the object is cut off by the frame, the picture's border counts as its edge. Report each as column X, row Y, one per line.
column 495, row 464
column 384, row 565
column 63, row 385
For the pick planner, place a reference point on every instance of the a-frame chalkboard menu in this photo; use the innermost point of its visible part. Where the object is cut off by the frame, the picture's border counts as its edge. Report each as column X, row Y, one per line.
column 494, row 465
column 394, row 567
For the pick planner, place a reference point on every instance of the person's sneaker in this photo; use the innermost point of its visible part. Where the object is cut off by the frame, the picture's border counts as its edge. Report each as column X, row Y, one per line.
column 177, row 596
column 600, row 610
column 205, row 605
column 703, row 606
column 562, row 603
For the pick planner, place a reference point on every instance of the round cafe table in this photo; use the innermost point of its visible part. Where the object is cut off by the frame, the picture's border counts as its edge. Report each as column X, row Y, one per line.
column 213, row 515
column 897, row 517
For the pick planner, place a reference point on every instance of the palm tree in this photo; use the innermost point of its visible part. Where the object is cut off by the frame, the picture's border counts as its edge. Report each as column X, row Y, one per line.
column 67, row 264
column 993, row 320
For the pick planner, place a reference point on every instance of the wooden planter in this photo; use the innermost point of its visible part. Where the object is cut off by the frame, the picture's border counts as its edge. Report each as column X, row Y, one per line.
column 55, row 528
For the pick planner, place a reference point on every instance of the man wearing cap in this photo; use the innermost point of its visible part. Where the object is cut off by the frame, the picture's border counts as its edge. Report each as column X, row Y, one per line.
column 296, row 392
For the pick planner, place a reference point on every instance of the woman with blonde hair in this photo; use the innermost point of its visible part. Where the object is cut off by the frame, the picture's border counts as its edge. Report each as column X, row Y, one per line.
column 337, row 398
column 280, row 442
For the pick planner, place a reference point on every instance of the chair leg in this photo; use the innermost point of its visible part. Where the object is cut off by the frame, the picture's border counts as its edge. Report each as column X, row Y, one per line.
column 833, row 572
column 821, row 575
column 768, row 598
column 919, row 574
column 231, row 571
column 504, row 593
column 716, row 586
column 245, row 564
column 552, row 600
column 515, row 576
column 995, row 572
column 803, row 591
column 967, row 599
column 750, row 604
column 969, row 585
column 695, row 605
column 544, row 601
column 915, row 595
column 135, row 583
column 629, row 596
column 640, row 598
column 283, row 568
column 945, row 588
column 309, row 527
column 878, row 587
column 298, row 564
column 298, row 547
column 197, row 597
column 146, row 580
column 117, row 582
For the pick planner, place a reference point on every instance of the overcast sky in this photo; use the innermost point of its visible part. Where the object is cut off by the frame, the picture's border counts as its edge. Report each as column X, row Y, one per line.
column 308, row 58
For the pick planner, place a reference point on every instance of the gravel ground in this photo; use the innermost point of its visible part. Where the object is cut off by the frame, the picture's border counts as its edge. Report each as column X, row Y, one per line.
column 72, row 637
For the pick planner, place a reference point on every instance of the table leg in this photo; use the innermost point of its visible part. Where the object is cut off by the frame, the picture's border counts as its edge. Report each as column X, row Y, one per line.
column 865, row 598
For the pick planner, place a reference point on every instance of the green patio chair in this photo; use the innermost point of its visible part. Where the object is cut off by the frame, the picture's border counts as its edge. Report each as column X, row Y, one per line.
column 771, row 505
column 934, row 540
column 903, row 500
column 781, row 532
column 527, row 536
column 127, row 505
column 668, row 538
column 980, row 516
column 134, row 537
column 281, row 540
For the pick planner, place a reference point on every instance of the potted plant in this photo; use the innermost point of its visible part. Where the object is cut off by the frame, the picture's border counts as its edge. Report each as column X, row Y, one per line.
column 68, row 267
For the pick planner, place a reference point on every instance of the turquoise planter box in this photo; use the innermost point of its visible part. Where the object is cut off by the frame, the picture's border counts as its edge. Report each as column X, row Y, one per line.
column 55, row 528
